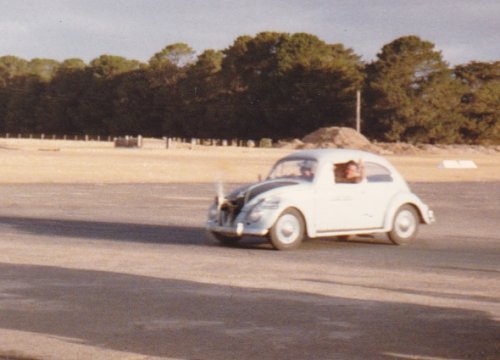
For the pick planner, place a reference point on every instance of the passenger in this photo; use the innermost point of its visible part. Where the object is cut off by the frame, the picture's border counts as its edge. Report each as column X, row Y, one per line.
column 353, row 172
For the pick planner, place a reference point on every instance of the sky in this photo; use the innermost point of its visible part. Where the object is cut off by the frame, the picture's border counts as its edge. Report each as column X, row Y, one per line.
column 462, row 30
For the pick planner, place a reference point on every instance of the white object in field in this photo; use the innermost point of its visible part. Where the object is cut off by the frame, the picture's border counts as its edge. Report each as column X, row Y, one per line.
column 457, row 164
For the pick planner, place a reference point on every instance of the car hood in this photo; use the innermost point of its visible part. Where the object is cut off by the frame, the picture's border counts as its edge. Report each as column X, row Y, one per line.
column 248, row 192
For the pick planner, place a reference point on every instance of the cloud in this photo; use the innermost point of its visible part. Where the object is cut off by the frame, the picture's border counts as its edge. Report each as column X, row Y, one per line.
column 12, row 28
column 463, row 30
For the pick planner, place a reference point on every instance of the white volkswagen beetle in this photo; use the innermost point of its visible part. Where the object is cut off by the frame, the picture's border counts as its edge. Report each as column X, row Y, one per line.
column 318, row 193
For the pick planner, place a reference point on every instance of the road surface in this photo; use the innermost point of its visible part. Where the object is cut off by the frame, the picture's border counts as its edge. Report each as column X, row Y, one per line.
column 126, row 272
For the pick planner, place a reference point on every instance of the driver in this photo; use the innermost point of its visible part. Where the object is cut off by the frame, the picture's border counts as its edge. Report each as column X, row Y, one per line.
column 306, row 172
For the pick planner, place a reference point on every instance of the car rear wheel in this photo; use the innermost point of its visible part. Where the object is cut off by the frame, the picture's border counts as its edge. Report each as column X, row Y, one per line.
column 404, row 225
column 226, row 240
column 288, row 231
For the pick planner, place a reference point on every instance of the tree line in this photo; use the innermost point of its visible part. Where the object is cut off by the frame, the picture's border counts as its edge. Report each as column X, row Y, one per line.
column 274, row 85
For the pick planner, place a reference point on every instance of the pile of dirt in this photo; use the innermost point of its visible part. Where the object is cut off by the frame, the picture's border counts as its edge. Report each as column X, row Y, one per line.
column 333, row 137
column 336, row 137
column 348, row 138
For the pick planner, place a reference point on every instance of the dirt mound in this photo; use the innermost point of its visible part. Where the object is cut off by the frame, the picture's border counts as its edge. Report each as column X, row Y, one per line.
column 348, row 138
column 338, row 137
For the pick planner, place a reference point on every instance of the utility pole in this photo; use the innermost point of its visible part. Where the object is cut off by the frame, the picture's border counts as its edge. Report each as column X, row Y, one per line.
column 358, row 111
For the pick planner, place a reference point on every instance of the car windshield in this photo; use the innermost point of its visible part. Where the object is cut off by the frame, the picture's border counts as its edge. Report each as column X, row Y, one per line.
column 294, row 169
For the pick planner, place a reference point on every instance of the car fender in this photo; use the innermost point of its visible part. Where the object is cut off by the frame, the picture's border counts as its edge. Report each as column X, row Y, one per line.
column 400, row 199
column 305, row 209
column 302, row 205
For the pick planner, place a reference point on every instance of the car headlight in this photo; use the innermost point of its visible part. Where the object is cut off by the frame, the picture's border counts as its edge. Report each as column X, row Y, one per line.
column 212, row 213
column 255, row 215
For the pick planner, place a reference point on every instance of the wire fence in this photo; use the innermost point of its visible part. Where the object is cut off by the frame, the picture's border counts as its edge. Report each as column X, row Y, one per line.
column 140, row 141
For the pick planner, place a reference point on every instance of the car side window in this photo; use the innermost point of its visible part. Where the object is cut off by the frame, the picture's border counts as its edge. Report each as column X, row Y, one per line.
column 377, row 173
column 351, row 172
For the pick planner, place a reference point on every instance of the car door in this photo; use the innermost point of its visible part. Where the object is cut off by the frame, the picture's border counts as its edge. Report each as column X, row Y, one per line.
column 340, row 206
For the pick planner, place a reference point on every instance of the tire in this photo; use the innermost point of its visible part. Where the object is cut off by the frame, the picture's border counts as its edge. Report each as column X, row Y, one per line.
column 404, row 225
column 226, row 240
column 288, row 230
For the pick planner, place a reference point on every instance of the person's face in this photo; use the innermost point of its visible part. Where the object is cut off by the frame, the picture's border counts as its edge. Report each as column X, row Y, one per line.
column 351, row 171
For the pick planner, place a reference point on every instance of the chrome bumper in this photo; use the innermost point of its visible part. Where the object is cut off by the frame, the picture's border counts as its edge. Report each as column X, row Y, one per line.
column 238, row 230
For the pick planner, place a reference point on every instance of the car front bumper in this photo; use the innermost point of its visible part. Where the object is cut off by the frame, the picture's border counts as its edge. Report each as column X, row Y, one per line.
column 237, row 229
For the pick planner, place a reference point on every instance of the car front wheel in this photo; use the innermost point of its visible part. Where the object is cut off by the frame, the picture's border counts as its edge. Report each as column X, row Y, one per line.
column 404, row 226
column 288, row 231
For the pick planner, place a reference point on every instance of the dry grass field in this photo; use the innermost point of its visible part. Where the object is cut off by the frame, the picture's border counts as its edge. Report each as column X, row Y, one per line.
column 59, row 161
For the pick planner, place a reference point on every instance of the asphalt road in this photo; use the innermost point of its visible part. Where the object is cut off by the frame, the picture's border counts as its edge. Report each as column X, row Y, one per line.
column 126, row 271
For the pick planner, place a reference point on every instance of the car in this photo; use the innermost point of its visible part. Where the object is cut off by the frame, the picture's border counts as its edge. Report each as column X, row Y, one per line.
column 320, row 193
